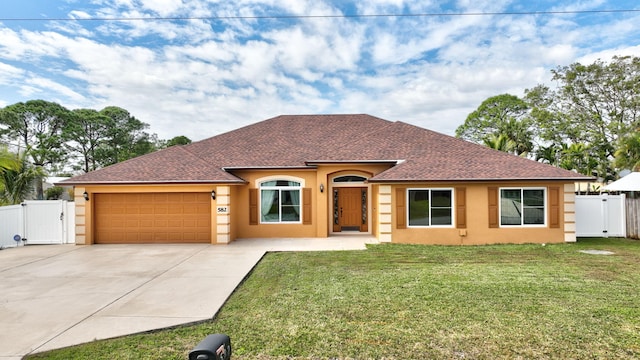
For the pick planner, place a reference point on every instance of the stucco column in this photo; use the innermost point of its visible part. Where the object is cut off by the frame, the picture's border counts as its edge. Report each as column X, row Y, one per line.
column 81, row 218
column 569, row 213
column 384, row 213
column 222, row 213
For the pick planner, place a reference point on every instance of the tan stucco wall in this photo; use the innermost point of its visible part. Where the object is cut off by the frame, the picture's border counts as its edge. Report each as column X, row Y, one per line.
column 321, row 207
column 233, row 222
column 241, row 206
column 477, row 230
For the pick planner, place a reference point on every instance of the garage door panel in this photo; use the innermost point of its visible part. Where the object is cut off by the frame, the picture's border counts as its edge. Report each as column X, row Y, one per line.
column 118, row 223
column 146, row 210
column 158, row 197
column 190, row 198
column 160, row 223
column 146, row 198
column 190, row 237
column 131, row 237
column 190, row 210
column 118, row 199
column 152, row 218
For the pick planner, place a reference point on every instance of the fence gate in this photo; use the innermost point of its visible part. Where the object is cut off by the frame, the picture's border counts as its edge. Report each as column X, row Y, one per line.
column 45, row 222
column 600, row 216
column 11, row 224
column 39, row 222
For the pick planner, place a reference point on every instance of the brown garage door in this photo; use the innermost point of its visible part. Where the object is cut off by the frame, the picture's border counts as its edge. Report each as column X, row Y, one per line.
column 152, row 218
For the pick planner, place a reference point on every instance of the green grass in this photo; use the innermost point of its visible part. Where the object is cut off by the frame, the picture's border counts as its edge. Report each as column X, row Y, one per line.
column 419, row 302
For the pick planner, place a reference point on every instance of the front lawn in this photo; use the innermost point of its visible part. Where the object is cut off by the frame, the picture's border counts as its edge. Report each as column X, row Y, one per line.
column 419, row 302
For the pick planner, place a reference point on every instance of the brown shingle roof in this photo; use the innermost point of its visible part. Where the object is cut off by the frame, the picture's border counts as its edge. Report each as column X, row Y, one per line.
column 304, row 140
column 431, row 156
column 285, row 141
column 171, row 165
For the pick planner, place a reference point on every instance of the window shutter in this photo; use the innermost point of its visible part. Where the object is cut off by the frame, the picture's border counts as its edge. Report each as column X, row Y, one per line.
column 554, row 207
column 253, row 206
column 493, row 207
column 401, row 209
column 461, row 208
column 306, row 206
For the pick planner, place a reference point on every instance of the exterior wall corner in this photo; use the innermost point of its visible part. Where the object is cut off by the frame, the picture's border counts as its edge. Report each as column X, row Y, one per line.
column 384, row 221
column 221, row 214
column 569, row 217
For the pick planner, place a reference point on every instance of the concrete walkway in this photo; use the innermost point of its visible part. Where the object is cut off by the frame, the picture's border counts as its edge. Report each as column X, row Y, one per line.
column 53, row 296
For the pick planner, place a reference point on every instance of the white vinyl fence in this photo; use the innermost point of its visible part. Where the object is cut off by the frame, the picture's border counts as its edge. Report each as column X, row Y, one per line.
column 37, row 222
column 600, row 216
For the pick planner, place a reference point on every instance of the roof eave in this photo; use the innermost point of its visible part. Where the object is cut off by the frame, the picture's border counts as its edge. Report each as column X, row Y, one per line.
column 237, row 168
column 324, row 162
column 155, row 182
column 563, row 179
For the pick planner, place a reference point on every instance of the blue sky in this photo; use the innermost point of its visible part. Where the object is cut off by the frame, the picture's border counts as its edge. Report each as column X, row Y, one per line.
column 206, row 75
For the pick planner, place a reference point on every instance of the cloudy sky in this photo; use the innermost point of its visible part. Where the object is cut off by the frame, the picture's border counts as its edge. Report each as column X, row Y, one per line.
column 202, row 67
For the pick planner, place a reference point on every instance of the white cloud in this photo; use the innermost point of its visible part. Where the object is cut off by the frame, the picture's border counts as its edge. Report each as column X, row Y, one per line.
column 199, row 77
column 162, row 7
column 79, row 14
column 608, row 54
column 39, row 85
column 9, row 73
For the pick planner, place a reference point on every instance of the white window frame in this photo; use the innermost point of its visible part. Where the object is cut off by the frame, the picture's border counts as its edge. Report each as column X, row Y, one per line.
column 522, row 224
column 431, row 226
column 299, row 188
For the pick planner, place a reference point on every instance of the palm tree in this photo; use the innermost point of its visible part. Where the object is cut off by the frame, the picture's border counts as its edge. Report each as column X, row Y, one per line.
column 500, row 142
column 16, row 181
column 548, row 154
column 627, row 156
column 7, row 160
column 579, row 157
column 519, row 132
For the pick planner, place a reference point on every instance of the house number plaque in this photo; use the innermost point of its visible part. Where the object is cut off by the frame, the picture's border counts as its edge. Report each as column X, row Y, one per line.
column 223, row 210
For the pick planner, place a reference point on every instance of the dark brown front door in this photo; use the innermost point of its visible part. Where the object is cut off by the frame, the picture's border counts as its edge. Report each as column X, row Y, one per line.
column 349, row 209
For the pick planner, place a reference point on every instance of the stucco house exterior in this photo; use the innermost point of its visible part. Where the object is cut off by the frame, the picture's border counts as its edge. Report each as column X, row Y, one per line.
column 326, row 175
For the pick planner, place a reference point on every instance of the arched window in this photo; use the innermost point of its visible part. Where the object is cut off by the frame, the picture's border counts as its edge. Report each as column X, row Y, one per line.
column 349, row 179
column 280, row 201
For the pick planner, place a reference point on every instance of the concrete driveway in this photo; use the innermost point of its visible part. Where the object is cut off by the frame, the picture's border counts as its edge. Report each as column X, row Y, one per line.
column 53, row 296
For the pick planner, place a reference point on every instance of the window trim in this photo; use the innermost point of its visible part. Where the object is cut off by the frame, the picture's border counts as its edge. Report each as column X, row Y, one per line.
column 299, row 188
column 431, row 226
column 545, row 208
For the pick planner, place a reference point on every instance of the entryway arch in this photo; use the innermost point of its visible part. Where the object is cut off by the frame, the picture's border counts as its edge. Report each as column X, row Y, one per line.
column 350, row 202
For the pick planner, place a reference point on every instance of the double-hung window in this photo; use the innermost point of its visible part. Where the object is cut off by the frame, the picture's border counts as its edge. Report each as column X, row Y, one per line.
column 430, row 207
column 280, row 201
column 522, row 206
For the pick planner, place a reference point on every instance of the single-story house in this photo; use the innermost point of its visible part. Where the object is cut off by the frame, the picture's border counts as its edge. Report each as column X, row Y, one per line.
column 325, row 175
